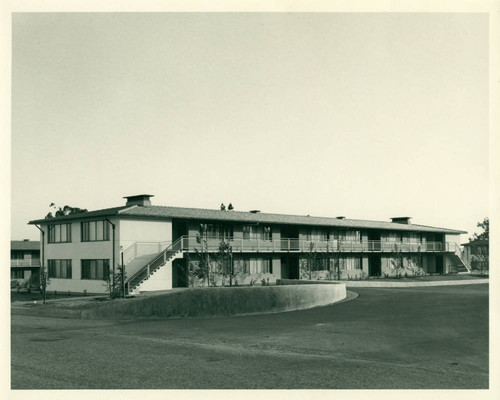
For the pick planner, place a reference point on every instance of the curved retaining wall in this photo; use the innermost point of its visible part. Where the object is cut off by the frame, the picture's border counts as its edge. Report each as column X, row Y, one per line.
column 383, row 284
column 210, row 302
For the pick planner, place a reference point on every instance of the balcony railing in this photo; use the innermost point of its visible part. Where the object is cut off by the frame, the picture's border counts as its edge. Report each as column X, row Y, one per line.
column 24, row 263
column 302, row 245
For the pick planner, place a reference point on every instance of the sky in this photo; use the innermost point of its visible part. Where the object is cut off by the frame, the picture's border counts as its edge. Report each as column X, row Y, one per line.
column 364, row 115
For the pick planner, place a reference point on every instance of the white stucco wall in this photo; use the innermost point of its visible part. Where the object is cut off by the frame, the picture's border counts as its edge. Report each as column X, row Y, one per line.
column 452, row 239
column 75, row 251
column 132, row 231
column 161, row 279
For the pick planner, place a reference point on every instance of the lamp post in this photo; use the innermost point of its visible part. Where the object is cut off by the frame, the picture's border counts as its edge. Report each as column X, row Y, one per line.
column 113, row 226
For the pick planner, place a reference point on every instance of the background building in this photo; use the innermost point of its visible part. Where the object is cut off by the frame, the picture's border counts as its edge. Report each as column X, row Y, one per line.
column 476, row 254
column 24, row 259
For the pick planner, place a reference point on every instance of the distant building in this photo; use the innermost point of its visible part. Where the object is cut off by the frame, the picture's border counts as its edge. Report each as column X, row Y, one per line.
column 156, row 242
column 24, row 258
column 476, row 254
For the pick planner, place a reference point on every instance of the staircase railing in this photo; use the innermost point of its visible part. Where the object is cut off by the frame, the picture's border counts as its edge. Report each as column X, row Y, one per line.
column 155, row 263
column 458, row 252
column 138, row 249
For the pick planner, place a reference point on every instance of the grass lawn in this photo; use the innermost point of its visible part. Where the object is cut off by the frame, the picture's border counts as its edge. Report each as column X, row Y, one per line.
column 387, row 338
column 35, row 295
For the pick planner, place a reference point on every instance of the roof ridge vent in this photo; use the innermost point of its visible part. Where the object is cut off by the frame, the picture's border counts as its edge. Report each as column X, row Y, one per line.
column 340, row 217
column 254, row 211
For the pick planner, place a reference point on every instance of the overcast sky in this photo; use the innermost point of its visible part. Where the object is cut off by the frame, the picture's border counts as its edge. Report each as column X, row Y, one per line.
column 369, row 116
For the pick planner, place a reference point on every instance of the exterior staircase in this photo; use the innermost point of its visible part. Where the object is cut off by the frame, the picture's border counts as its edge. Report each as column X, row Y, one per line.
column 461, row 266
column 175, row 250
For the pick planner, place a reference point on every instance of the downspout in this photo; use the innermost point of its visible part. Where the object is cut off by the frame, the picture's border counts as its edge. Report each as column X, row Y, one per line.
column 114, row 261
column 43, row 259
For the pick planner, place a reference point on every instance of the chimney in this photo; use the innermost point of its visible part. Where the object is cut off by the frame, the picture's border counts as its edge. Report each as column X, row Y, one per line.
column 139, row 200
column 401, row 220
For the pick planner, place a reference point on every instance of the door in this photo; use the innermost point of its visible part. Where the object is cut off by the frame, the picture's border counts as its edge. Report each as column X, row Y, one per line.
column 291, row 233
column 374, row 240
column 439, row 264
column 374, row 265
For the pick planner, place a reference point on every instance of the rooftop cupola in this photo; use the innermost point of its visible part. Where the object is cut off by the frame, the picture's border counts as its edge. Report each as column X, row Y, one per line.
column 139, row 200
column 401, row 220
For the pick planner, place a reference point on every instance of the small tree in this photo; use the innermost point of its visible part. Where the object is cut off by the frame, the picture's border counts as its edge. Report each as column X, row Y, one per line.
column 307, row 264
column 337, row 258
column 397, row 260
column 44, row 281
column 225, row 255
column 115, row 282
column 203, row 267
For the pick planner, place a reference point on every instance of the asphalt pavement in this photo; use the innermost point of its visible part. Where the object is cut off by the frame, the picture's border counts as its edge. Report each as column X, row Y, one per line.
column 387, row 338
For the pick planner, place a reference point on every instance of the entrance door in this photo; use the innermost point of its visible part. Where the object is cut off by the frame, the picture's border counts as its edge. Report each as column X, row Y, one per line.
column 439, row 264
column 374, row 265
column 290, row 267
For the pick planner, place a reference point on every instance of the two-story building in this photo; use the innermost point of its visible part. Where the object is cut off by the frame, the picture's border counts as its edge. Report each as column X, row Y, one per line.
column 157, row 243
column 24, row 259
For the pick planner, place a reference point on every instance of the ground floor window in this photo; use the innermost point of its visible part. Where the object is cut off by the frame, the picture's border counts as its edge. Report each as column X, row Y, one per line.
column 257, row 266
column 16, row 274
column 345, row 263
column 95, row 269
column 60, row 269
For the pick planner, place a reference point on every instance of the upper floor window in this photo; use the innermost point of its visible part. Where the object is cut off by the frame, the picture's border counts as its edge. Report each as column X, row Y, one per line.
column 216, row 231
column 95, row 231
column 247, row 231
column 60, row 233
column 262, row 232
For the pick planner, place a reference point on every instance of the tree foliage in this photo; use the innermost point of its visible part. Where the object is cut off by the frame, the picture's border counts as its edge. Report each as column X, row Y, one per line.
column 485, row 226
column 225, row 256
column 63, row 211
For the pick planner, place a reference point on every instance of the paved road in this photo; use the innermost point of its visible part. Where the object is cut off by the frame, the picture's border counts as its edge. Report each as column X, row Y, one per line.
column 386, row 338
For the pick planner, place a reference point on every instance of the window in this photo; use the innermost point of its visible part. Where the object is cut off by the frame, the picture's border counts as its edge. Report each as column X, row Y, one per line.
column 245, row 265
column 316, row 234
column 257, row 265
column 93, row 231
column 16, row 274
column 219, row 231
column 353, row 236
column 60, row 233
column 268, row 233
column 247, row 231
column 95, row 269
column 60, row 269
column 348, row 263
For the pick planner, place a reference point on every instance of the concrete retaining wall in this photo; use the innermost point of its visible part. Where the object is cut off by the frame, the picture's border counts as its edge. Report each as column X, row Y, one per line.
column 208, row 302
column 414, row 284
